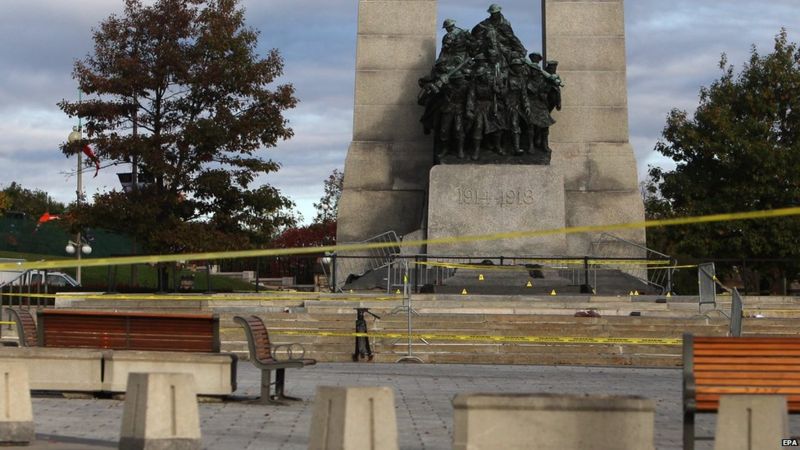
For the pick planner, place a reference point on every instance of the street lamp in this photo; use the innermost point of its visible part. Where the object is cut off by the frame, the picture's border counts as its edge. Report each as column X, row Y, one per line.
column 72, row 247
column 75, row 138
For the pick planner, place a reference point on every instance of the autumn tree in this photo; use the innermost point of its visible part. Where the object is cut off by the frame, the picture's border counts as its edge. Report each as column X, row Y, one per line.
column 178, row 89
column 739, row 151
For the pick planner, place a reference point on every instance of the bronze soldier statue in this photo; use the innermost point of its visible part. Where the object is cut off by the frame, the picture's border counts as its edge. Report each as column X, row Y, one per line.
column 519, row 109
column 553, row 99
column 451, row 125
column 432, row 98
column 540, row 120
column 455, row 44
column 483, row 87
column 484, row 110
column 496, row 32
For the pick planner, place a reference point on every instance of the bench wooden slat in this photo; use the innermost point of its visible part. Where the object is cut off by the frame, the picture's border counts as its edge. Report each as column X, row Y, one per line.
column 755, row 360
column 748, row 375
column 748, row 352
column 714, row 340
column 739, row 367
column 713, row 405
column 766, row 390
column 704, row 383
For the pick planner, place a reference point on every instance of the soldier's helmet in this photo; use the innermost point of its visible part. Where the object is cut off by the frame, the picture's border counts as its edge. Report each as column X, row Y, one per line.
column 552, row 62
column 535, row 56
column 494, row 8
column 517, row 62
column 448, row 23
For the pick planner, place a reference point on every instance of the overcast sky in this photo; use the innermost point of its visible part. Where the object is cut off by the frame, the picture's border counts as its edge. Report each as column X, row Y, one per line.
column 673, row 48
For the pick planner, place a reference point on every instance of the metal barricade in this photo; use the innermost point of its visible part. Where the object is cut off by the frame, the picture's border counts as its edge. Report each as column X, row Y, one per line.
column 736, row 314
column 707, row 285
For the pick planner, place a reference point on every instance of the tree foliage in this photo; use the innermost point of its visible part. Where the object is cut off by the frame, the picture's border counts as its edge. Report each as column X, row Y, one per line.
column 739, row 151
column 32, row 202
column 328, row 206
column 177, row 88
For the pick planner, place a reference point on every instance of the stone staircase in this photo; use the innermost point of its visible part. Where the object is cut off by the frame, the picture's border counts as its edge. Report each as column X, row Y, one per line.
column 524, row 316
column 482, row 315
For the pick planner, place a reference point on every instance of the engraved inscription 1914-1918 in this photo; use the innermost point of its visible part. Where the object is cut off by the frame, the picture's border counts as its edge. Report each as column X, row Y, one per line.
column 468, row 196
column 485, row 94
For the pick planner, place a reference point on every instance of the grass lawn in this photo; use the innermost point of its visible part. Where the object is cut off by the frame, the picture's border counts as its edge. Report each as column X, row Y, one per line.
column 96, row 278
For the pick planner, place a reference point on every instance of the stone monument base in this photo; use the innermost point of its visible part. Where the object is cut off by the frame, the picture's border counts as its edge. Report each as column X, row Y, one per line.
column 469, row 200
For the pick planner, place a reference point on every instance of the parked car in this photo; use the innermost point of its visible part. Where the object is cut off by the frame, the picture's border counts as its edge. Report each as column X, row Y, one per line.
column 57, row 279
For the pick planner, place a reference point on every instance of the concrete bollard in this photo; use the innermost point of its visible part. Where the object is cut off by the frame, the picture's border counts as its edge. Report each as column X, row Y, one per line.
column 353, row 418
column 160, row 413
column 751, row 421
column 16, row 411
column 552, row 422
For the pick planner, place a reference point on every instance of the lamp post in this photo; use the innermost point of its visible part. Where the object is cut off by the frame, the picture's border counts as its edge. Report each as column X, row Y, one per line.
column 75, row 137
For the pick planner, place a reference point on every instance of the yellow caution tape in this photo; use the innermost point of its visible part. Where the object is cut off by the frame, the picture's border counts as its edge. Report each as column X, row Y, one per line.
column 202, row 298
column 8, row 323
column 492, row 338
column 153, row 259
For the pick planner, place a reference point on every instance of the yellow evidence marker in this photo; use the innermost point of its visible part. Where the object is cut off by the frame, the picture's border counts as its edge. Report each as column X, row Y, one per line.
column 464, row 292
column 529, row 284
column 553, row 292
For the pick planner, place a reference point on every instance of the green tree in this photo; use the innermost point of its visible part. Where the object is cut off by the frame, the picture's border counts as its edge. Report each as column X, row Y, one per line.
column 328, row 206
column 34, row 203
column 739, row 151
column 177, row 89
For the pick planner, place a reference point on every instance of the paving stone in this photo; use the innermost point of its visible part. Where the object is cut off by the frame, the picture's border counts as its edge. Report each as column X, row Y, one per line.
column 424, row 396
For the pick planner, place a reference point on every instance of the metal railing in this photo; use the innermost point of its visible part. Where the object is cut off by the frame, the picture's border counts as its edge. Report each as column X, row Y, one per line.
column 435, row 270
column 659, row 277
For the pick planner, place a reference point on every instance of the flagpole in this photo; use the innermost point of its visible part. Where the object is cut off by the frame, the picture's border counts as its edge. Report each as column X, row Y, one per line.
column 78, row 242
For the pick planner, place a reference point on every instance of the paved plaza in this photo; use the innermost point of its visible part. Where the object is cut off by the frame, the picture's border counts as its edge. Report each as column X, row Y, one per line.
column 423, row 400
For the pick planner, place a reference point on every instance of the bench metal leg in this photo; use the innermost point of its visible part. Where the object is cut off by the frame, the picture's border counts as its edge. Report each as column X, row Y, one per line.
column 266, row 381
column 688, row 430
column 280, row 380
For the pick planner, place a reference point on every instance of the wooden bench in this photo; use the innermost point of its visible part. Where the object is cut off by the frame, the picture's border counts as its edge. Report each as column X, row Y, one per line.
column 262, row 355
column 26, row 326
column 128, row 330
column 716, row 366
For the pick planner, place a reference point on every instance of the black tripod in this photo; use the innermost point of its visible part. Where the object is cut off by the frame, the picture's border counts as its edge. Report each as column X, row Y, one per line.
column 363, row 349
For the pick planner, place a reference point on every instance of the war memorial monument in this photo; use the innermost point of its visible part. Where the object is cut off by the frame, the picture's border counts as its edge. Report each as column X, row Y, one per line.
column 484, row 135
column 511, row 138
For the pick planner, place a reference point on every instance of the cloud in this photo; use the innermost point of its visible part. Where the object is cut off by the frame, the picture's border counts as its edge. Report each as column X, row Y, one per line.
column 673, row 49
